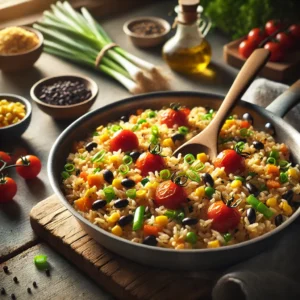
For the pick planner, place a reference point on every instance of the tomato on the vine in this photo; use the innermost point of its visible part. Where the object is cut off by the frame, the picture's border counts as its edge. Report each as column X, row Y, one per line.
column 256, row 36
column 272, row 26
column 285, row 40
column 277, row 53
column 231, row 161
column 28, row 166
column 246, row 48
column 8, row 189
column 295, row 31
column 125, row 139
column 175, row 115
column 5, row 157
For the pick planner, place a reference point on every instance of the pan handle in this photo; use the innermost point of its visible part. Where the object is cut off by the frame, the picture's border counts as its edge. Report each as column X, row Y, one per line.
column 282, row 104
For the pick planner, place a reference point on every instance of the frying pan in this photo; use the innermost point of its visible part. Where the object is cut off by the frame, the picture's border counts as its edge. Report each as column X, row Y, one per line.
column 190, row 259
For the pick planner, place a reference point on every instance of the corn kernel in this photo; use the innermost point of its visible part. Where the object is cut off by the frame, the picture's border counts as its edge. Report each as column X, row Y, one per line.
column 293, row 173
column 141, row 194
column 180, row 246
column 100, row 128
column 202, row 157
column 115, row 159
column 236, row 184
column 117, row 230
column 161, row 220
column 168, row 143
column 200, row 191
column 152, row 185
column 114, row 217
column 136, row 178
column 104, row 137
column 213, row 244
column 272, row 202
column 117, row 183
column 81, row 150
column 90, row 192
column 11, row 112
column 287, row 208
column 230, row 122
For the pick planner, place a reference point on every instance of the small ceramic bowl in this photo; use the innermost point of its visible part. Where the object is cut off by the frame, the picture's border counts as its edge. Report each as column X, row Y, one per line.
column 146, row 41
column 17, row 129
column 61, row 112
column 24, row 60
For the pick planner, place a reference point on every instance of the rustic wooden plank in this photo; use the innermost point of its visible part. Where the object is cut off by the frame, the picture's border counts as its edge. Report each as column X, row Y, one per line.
column 123, row 278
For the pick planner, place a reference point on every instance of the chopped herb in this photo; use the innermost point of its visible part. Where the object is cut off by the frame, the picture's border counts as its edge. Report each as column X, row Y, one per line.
column 95, row 133
column 144, row 181
column 96, row 170
column 227, row 237
column 141, row 121
column 252, row 174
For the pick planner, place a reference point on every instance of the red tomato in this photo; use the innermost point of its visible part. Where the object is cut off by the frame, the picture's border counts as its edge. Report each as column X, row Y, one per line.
column 231, row 161
column 285, row 40
column 295, row 31
column 277, row 53
column 173, row 117
column 246, row 48
column 5, row 157
column 8, row 189
column 256, row 36
column 125, row 140
column 148, row 162
column 170, row 195
column 224, row 217
column 272, row 26
column 28, row 166
column 245, row 124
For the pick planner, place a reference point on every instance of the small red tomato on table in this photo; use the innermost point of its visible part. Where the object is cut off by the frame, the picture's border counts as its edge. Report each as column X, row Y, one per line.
column 285, row 40
column 294, row 30
column 277, row 52
column 256, row 36
column 246, row 48
column 231, row 161
column 8, row 189
column 176, row 115
column 28, row 166
column 125, row 139
column 5, row 157
column 272, row 26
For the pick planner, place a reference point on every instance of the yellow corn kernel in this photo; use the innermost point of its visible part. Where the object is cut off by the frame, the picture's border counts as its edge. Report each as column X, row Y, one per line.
column 141, row 194
column 150, row 185
column 200, row 191
column 117, row 183
column 236, row 184
column 180, row 246
column 104, row 137
column 114, row 217
column 293, row 173
column 168, row 143
column 230, row 122
column 91, row 192
column 213, row 244
column 202, row 157
column 99, row 128
column 161, row 220
column 287, row 208
column 272, row 202
column 115, row 159
column 117, row 230
column 81, row 150
column 136, row 178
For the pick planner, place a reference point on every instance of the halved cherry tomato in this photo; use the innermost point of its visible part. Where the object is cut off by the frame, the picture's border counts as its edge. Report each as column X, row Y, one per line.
column 170, row 195
column 245, row 124
column 5, row 157
column 285, row 40
column 295, row 31
column 172, row 117
column 256, row 36
column 148, row 162
column 277, row 53
column 8, row 189
column 28, row 166
column 231, row 161
column 272, row 26
column 224, row 217
column 246, row 48
column 125, row 140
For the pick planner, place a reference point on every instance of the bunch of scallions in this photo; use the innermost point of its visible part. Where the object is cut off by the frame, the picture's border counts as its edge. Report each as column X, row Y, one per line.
column 80, row 38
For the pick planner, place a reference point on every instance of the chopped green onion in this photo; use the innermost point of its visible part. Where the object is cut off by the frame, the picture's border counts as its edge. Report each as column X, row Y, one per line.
column 189, row 158
column 109, row 193
column 252, row 174
column 41, row 262
column 259, row 206
column 171, row 214
column 271, row 161
column 153, row 140
column 154, row 130
column 165, row 174
column 152, row 114
column 127, row 160
column 240, row 178
column 131, row 193
column 207, row 117
column 192, row 175
column 283, row 177
column 65, row 174
column 96, row 170
column 135, row 127
column 230, row 118
column 138, row 218
column 239, row 146
column 197, row 166
column 211, row 111
column 227, row 237
column 69, row 168
column 244, row 132
column 191, row 237
column 98, row 156
column 180, row 216
column 284, row 165
column 145, row 181
column 141, row 121
column 183, row 130
column 274, row 154
column 115, row 128
column 209, row 191
column 123, row 169
column 95, row 133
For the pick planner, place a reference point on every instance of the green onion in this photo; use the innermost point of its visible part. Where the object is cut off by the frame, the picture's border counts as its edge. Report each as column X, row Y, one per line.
column 252, row 174
column 271, row 161
column 274, row 154
column 141, row 121
column 152, row 114
column 138, row 218
column 230, row 118
column 189, row 158
column 284, row 164
column 96, row 170
column 165, row 174
column 115, row 128
column 98, row 156
column 65, row 174
column 41, row 262
column 171, row 214
column 95, row 133
column 180, row 216
column 154, row 130
column 192, row 175
column 135, row 128
column 109, row 193
column 69, row 168
column 211, row 111
column 240, row 178
column 244, row 132
column 131, row 193
column 127, row 160
column 209, row 191
column 191, row 237
column 283, row 177
column 259, row 206
column 123, row 169
column 207, row 117
column 227, row 237
column 197, row 166
column 239, row 146
column 153, row 140
column 144, row 181
column 183, row 130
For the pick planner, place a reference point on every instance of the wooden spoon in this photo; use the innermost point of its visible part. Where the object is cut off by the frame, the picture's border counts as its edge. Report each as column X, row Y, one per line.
column 207, row 140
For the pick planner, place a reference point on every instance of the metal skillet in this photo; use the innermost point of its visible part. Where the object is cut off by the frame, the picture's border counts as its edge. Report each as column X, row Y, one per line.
column 196, row 259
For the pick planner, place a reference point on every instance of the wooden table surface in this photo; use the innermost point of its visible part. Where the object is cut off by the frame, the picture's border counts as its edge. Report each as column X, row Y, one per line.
column 18, row 243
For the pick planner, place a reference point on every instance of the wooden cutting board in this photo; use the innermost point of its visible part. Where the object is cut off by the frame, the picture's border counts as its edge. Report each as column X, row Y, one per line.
column 121, row 277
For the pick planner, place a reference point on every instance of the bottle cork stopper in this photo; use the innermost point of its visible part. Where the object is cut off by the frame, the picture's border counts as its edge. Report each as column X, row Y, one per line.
column 187, row 12
column 189, row 5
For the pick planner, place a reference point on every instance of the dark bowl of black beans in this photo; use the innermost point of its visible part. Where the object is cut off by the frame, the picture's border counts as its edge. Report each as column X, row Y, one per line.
column 66, row 96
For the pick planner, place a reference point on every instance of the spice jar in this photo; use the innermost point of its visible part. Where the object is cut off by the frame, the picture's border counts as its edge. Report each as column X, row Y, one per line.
column 188, row 51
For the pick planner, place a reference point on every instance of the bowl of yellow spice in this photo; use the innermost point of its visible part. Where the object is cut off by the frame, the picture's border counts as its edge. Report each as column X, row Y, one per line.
column 20, row 48
column 15, row 115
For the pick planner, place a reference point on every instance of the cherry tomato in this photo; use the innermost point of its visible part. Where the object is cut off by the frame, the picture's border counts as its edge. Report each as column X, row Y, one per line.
column 224, row 217
column 231, row 161
column 125, row 140
column 295, row 31
column 148, row 162
column 173, row 117
column 8, row 189
column 272, row 26
column 28, row 166
column 256, row 36
column 277, row 53
column 285, row 40
column 5, row 157
column 170, row 195
column 246, row 48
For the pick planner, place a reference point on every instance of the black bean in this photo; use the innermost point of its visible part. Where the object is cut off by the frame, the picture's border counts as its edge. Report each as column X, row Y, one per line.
column 13, row 296
column 278, row 220
column 177, row 137
column 121, row 203
column 3, row 292
column 124, row 118
column 125, row 220
column 134, row 155
column 150, row 240
column 189, row 221
column 258, row 145
column 208, row 179
column 288, row 196
column 29, row 290
column 190, row 209
column 270, row 128
column 128, row 183
column 108, row 176
column 15, row 279
column 252, row 189
column 90, row 146
column 48, row 272
column 248, row 118
column 251, row 215
column 5, row 269
column 98, row 204
column 34, row 284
